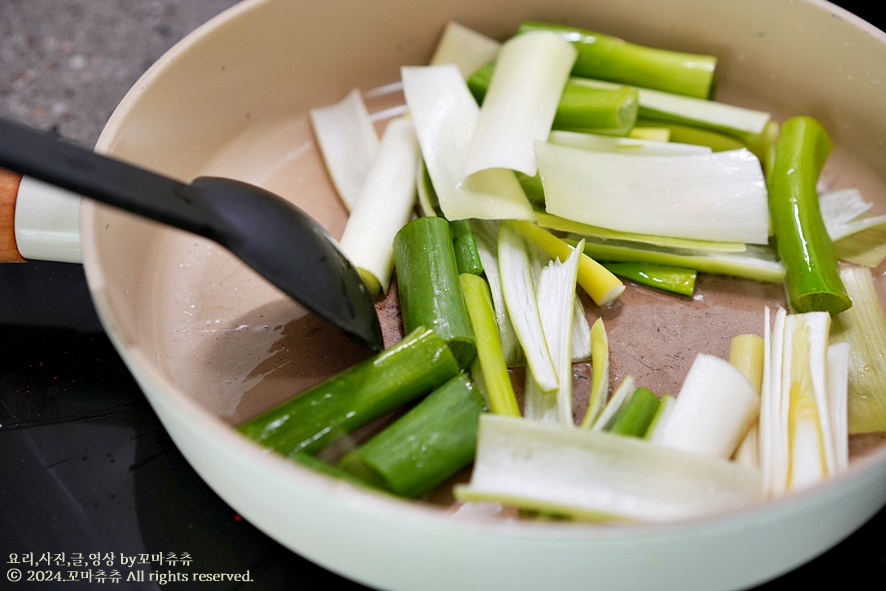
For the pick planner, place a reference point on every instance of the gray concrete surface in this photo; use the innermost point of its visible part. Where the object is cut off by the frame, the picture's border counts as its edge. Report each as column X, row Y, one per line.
column 65, row 64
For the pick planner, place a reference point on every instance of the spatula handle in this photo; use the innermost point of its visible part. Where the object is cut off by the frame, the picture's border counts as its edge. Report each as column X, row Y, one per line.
column 9, row 184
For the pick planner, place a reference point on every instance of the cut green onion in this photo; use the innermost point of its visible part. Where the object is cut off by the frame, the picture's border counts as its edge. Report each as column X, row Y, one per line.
column 580, row 107
column 716, row 196
column 812, row 279
column 465, row 48
column 384, row 205
column 599, row 283
column 490, row 357
column 610, row 58
column 863, row 326
column 804, row 376
column 467, row 256
column 556, row 298
column 606, row 417
column 348, row 143
column 838, row 400
column 599, row 373
column 427, row 283
column 858, row 237
column 714, row 409
column 689, row 134
column 804, row 382
column 747, row 354
column 445, row 115
column 660, row 420
column 521, row 102
column 637, row 415
column 486, row 238
column 334, row 408
column 655, row 133
column 664, row 108
column 560, row 224
column 519, row 293
column 421, row 449
column 666, row 278
column 427, row 198
column 758, row 262
column 628, row 145
column 587, row 475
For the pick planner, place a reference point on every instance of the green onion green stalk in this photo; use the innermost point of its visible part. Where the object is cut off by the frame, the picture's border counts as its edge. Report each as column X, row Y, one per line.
column 430, row 443
column 580, row 107
column 427, row 281
column 609, row 58
column 812, row 273
column 334, row 408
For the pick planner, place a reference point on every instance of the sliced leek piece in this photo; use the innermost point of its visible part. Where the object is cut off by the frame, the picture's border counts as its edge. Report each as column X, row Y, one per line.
column 464, row 47
column 445, row 115
column 699, row 112
column 597, row 281
column 715, row 196
column 747, row 354
column 715, row 407
column 858, row 236
column 588, row 475
column 803, row 419
column 384, row 205
column 759, row 263
column 863, row 326
column 599, row 372
column 519, row 107
column 686, row 245
column 519, row 292
column 348, row 143
column 486, row 236
column 625, row 145
column 556, row 296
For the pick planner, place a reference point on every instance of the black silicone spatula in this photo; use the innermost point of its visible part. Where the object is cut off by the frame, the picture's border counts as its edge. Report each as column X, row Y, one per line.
column 271, row 235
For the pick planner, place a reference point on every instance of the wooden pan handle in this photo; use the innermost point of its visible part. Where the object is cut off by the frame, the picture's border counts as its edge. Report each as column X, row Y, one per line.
column 9, row 183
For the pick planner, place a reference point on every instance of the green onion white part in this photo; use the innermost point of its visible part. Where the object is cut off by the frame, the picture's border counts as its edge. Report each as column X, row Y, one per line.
column 803, row 433
column 863, row 326
column 465, row 48
column 665, row 410
column 858, row 236
column 385, row 203
column 759, row 263
column 714, row 409
column 445, row 114
column 716, row 196
column 348, row 143
column 588, row 475
column 747, row 353
column 556, row 298
column 627, row 145
column 519, row 107
column 838, row 399
column 599, row 372
column 581, row 333
column 519, row 293
column 486, row 235
column 687, row 245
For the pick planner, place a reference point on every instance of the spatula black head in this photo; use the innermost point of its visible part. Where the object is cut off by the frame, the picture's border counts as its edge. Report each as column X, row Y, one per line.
column 270, row 234
column 293, row 252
